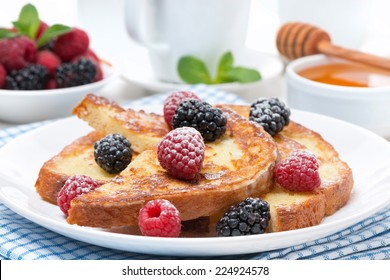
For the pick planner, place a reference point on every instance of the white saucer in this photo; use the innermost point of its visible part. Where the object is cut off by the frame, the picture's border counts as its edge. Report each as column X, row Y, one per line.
column 136, row 68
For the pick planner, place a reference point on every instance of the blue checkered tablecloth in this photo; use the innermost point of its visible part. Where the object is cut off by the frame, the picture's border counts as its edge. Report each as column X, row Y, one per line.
column 23, row 239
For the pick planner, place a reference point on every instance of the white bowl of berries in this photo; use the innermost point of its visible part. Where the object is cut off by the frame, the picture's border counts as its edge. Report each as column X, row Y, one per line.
column 45, row 70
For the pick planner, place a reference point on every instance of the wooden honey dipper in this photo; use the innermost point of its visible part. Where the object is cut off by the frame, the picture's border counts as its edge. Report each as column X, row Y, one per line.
column 296, row 39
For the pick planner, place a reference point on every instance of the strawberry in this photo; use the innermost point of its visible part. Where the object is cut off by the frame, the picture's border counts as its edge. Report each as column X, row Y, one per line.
column 99, row 75
column 91, row 54
column 48, row 59
column 16, row 53
column 3, row 75
column 71, row 44
column 42, row 27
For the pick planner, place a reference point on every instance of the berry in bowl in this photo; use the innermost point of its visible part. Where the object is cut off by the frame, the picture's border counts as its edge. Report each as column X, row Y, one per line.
column 46, row 69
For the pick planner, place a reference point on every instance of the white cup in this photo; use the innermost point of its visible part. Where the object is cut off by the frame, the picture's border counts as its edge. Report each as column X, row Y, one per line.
column 170, row 29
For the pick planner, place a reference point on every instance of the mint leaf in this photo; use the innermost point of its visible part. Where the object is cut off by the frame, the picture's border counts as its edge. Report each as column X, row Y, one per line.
column 193, row 71
column 224, row 65
column 241, row 74
column 5, row 33
column 52, row 32
column 228, row 73
column 28, row 22
column 226, row 62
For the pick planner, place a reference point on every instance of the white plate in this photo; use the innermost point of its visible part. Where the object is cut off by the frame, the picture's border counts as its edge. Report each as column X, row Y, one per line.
column 137, row 69
column 367, row 154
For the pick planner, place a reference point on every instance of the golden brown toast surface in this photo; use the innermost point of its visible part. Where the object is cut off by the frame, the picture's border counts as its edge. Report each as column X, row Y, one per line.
column 76, row 158
column 238, row 165
column 291, row 210
column 143, row 130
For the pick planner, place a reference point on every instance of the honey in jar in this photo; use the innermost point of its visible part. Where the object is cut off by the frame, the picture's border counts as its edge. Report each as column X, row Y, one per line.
column 348, row 74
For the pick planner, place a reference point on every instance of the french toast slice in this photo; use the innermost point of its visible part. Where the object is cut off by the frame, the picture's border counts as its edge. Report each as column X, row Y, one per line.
column 143, row 130
column 75, row 158
column 292, row 210
column 238, row 165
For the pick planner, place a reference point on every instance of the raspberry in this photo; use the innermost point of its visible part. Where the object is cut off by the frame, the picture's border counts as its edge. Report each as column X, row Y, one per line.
column 3, row 75
column 298, row 172
column 113, row 153
column 49, row 60
column 209, row 121
column 71, row 44
column 73, row 187
column 271, row 114
column 159, row 218
column 248, row 217
column 181, row 152
column 173, row 101
column 29, row 46
column 76, row 74
column 51, row 84
column 17, row 53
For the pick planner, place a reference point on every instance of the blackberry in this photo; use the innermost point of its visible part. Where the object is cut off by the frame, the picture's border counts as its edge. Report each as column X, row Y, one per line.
column 82, row 72
column 271, row 114
column 248, row 217
column 33, row 77
column 48, row 46
column 113, row 153
column 209, row 121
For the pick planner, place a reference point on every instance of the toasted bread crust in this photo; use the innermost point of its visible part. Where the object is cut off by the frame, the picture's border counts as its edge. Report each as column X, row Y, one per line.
column 142, row 129
column 218, row 186
column 49, row 182
column 288, row 216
